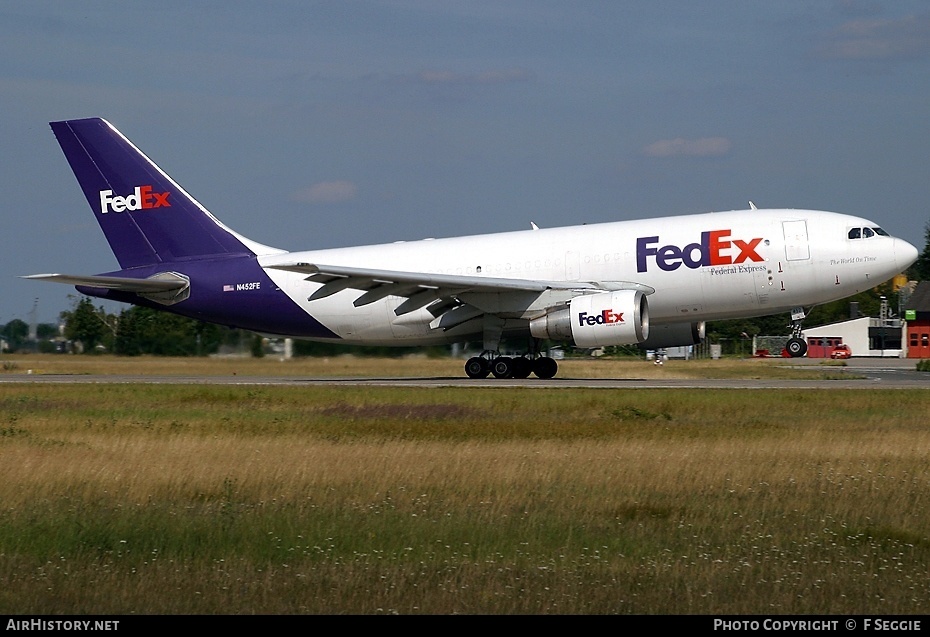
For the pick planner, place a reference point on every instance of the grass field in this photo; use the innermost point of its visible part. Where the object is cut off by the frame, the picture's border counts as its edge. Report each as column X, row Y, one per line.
column 218, row 499
column 411, row 366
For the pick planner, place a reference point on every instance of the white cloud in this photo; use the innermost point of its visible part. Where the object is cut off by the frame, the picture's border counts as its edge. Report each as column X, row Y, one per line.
column 702, row 147
column 327, row 192
column 498, row 76
column 880, row 39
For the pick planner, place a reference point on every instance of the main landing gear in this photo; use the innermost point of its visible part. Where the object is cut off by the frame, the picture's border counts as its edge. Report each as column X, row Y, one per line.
column 491, row 362
column 796, row 346
column 507, row 367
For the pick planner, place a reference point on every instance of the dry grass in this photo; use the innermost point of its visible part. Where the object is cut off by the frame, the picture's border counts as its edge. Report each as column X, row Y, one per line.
column 410, row 366
column 179, row 499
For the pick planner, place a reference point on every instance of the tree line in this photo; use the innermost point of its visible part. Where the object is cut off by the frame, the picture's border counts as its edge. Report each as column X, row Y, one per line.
column 137, row 331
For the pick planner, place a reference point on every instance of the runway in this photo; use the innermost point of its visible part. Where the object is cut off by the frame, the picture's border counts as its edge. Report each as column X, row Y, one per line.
column 858, row 374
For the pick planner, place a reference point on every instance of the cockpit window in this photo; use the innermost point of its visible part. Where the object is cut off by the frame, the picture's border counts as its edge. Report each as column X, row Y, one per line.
column 865, row 233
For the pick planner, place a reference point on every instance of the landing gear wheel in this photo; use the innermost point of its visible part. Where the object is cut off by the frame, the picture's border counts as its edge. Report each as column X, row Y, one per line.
column 545, row 367
column 477, row 367
column 502, row 367
column 522, row 367
column 796, row 347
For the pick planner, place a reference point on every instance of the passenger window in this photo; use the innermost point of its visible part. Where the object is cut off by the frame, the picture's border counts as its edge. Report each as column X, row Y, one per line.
column 855, row 233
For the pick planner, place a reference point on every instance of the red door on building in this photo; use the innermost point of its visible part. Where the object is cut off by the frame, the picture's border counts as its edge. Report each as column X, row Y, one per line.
column 822, row 346
column 918, row 339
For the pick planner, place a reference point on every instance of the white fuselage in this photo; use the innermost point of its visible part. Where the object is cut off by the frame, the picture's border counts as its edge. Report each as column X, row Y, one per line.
column 703, row 267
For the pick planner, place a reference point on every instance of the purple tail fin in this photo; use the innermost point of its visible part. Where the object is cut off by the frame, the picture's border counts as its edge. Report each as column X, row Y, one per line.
column 146, row 217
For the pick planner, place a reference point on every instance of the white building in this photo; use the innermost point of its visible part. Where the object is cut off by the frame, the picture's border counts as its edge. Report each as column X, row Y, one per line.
column 865, row 336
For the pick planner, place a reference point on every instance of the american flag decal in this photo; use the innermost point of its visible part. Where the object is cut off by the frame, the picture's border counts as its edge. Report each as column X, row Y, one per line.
column 228, row 288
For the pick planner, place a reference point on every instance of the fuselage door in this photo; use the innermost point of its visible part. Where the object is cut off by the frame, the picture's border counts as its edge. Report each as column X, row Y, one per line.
column 572, row 265
column 796, row 245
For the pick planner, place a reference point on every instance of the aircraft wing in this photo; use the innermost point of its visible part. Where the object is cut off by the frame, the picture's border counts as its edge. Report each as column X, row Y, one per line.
column 122, row 284
column 443, row 293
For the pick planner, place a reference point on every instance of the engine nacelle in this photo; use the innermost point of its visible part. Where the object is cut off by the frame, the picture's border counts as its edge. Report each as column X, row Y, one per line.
column 674, row 335
column 596, row 320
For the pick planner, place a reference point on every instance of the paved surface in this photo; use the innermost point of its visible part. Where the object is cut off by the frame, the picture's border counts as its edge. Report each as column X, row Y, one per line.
column 858, row 374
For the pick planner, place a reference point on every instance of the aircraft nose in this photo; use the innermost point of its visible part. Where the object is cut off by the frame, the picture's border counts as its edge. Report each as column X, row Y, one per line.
column 904, row 254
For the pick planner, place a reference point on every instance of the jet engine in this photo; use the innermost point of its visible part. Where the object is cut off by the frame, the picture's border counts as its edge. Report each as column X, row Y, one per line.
column 596, row 320
column 674, row 335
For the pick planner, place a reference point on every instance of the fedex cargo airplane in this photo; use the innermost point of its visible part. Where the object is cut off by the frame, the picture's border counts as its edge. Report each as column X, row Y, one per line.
column 651, row 282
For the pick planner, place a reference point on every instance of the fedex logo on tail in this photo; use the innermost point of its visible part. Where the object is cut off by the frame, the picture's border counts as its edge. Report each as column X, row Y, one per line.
column 606, row 317
column 715, row 248
column 142, row 198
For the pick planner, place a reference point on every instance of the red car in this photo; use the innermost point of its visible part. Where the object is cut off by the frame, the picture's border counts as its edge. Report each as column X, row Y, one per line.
column 841, row 351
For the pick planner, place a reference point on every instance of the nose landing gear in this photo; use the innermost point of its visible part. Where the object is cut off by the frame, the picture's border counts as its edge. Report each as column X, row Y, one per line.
column 796, row 346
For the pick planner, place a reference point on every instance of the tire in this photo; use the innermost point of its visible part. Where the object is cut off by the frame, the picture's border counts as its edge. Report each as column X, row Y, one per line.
column 502, row 367
column 545, row 367
column 522, row 367
column 796, row 347
column 477, row 367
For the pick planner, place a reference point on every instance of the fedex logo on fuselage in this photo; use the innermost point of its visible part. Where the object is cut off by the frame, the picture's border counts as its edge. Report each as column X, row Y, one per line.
column 142, row 198
column 605, row 317
column 715, row 248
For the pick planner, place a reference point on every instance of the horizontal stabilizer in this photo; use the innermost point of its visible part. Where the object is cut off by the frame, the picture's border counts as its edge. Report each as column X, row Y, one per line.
column 166, row 288
column 122, row 284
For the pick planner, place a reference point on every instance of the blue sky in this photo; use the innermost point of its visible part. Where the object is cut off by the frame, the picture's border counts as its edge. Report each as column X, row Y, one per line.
column 322, row 124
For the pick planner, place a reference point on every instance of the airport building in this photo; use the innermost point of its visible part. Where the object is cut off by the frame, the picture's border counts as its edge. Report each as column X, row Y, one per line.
column 886, row 336
column 917, row 320
column 863, row 336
